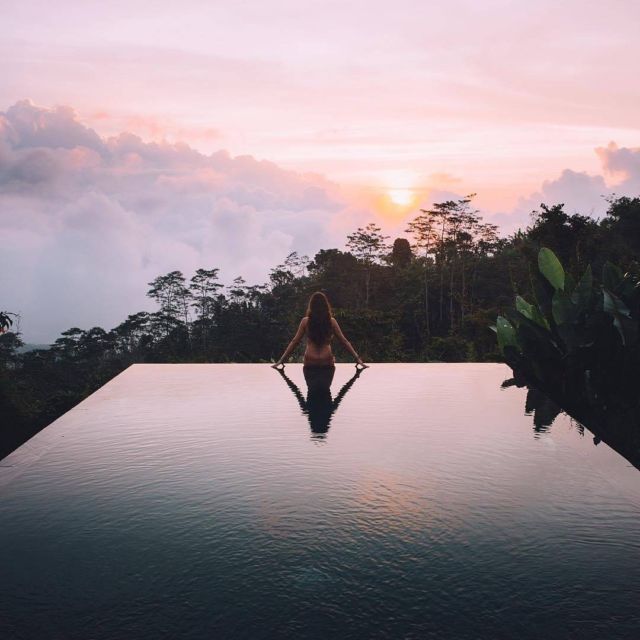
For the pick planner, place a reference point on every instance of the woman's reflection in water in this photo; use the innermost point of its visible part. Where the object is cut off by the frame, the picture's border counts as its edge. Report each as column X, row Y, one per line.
column 319, row 406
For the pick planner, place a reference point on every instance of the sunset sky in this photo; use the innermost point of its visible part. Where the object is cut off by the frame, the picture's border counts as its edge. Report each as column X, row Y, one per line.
column 297, row 122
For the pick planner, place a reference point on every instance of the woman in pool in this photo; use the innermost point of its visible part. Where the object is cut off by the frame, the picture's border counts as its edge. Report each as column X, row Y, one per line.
column 320, row 327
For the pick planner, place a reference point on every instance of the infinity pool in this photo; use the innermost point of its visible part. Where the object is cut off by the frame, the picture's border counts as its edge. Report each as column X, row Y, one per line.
column 228, row 501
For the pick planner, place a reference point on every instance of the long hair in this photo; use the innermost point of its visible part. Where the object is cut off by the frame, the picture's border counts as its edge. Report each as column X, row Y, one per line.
column 319, row 313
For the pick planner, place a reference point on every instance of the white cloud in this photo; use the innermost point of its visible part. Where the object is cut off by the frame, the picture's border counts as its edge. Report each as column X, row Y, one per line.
column 87, row 222
column 581, row 192
column 578, row 191
column 623, row 164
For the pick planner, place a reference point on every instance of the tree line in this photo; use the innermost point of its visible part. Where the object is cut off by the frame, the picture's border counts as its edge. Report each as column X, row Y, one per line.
column 429, row 296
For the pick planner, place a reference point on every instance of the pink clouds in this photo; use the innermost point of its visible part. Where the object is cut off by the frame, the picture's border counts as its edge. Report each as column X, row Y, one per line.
column 492, row 96
column 501, row 94
column 86, row 222
column 582, row 192
column 156, row 128
column 623, row 164
column 26, row 126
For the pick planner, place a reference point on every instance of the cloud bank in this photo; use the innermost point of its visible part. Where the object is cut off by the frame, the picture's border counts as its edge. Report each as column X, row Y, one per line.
column 86, row 222
column 582, row 192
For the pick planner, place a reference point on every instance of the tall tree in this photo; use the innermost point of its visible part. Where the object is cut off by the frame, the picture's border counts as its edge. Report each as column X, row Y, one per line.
column 134, row 334
column 173, row 296
column 401, row 253
column 238, row 290
column 423, row 230
column 369, row 246
column 440, row 213
column 204, row 287
column 297, row 264
column 465, row 223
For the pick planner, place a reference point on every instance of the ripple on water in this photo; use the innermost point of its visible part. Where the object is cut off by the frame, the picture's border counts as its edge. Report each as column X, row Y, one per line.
column 195, row 499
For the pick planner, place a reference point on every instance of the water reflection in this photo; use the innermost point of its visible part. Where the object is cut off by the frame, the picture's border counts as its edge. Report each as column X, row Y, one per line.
column 616, row 429
column 319, row 405
column 192, row 490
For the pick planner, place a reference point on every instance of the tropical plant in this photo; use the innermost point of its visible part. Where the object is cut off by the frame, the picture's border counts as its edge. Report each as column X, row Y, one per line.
column 5, row 321
column 369, row 246
column 578, row 341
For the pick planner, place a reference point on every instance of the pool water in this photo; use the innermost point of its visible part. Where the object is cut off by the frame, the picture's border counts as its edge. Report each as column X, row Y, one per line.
column 230, row 501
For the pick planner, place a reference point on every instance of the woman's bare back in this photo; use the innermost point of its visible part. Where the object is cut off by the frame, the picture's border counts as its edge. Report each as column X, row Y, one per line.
column 318, row 355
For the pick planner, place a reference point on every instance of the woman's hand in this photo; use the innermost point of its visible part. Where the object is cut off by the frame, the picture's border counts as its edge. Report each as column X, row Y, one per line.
column 361, row 364
column 278, row 365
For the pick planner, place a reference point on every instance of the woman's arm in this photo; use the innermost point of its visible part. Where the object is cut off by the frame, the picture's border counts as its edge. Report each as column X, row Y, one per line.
column 296, row 392
column 294, row 342
column 346, row 387
column 345, row 342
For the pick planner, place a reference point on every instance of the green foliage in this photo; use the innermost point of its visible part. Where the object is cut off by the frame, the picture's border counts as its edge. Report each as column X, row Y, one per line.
column 368, row 244
column 506, row 334
column 5, row 321
column 551, row 268
column 531, row 312
column 451, row 349
column 578, row 342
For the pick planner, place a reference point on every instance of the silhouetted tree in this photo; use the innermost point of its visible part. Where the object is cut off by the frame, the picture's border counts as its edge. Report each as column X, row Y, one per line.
column 401, row 253
column 174, row 297
column 368, row 245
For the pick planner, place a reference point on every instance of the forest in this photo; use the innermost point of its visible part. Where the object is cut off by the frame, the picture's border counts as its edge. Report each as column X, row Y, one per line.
column 430, row 296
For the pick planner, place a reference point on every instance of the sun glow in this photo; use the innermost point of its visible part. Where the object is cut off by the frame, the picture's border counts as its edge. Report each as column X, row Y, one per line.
column 401, row 197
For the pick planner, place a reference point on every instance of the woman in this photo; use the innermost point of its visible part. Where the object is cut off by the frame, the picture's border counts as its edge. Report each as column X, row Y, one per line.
column 320, row 327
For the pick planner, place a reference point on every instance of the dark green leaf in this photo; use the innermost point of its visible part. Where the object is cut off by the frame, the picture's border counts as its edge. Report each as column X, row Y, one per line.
column 551, row 268
column 564, row 311
column 583, row 293
column 506, row 333
column 611, row 276
column 626, row 326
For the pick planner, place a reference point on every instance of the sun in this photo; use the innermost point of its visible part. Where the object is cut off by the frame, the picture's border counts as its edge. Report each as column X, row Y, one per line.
column 401, row 197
